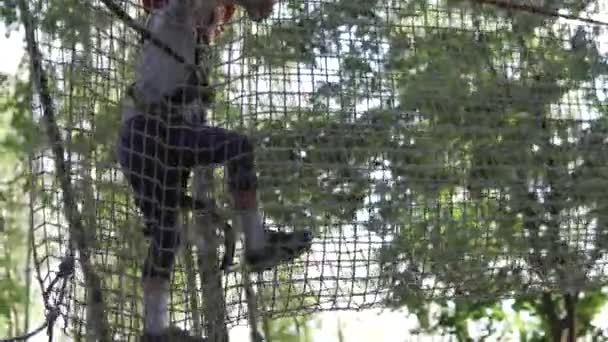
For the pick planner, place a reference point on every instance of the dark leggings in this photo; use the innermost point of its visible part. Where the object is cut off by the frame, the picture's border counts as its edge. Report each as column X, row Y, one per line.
column 157, row 157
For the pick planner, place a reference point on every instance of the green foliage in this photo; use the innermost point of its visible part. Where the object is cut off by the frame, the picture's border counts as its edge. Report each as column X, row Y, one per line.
column 292, row 329
column 8, row 13
column 487, row 187
column 13, row 294
column 16, row 140
column 505, row 318
column 21, row 135
column 475, row 123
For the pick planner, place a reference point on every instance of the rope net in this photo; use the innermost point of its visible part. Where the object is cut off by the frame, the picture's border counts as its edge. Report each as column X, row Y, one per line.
column 436, row 149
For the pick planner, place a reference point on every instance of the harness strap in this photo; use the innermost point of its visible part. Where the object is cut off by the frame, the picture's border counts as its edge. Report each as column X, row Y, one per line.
column 160, row 108
column 197, row 88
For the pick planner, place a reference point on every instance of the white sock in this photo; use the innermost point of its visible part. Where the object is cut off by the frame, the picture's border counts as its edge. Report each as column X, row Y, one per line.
column 253, row 228
column 156, row 306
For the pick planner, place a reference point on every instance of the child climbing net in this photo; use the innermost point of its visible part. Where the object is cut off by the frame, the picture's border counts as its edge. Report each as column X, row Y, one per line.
column 158, row 147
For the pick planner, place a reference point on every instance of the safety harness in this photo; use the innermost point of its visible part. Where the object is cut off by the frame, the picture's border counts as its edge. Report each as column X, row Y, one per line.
column 171, row 106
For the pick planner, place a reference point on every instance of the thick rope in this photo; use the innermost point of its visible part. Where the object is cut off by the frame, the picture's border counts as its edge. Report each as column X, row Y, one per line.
column 126, row 18
column 77, row 231
column 66, row 269
column 507, row 5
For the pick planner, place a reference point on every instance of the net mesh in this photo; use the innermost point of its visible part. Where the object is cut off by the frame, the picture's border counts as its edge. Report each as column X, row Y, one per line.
column 437, row 150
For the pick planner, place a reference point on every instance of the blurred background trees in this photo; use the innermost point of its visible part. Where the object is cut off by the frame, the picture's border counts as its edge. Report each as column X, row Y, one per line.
column 466, row 141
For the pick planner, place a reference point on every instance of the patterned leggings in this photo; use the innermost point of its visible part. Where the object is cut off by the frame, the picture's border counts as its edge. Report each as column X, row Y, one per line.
column 157, row 157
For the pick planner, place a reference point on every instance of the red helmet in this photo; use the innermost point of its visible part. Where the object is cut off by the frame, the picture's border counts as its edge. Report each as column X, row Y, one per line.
column 150, row 5
column 229, row 12
column 229, row 9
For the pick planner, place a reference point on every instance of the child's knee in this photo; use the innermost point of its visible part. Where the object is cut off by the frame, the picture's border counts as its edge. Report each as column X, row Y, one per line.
column 239, row 149
column 242, row 180
column 245, row 146
column 241, row 170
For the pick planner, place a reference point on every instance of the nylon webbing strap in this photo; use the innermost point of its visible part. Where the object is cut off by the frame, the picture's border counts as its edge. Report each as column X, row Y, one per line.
column 198, row 53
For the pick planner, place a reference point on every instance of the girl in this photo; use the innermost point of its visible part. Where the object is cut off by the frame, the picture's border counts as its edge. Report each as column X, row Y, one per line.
column 158, row 148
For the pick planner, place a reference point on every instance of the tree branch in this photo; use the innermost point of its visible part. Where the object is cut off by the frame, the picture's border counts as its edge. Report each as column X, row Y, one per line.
column 510, row 5
column 191, row 289
column 214, row 305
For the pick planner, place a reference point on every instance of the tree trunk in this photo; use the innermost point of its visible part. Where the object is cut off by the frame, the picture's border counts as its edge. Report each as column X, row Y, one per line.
column 214, row 305
column 266, row 328
column 192, row 290
column 570, row 320
column 551, row 317
column 77, row 231
column 28, row 275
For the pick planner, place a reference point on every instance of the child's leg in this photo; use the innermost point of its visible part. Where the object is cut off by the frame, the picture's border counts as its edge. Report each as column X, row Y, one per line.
column 207, row 145
column 156, row 275
column 145, row 162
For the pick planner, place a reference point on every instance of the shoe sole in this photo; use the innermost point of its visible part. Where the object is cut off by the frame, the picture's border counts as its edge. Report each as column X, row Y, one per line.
column 288, row 252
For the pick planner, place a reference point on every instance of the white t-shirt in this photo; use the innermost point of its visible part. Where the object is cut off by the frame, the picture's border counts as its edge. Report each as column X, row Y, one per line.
column 156, row 72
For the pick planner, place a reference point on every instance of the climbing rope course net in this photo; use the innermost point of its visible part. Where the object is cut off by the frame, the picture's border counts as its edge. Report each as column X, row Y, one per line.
column 437, row 149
